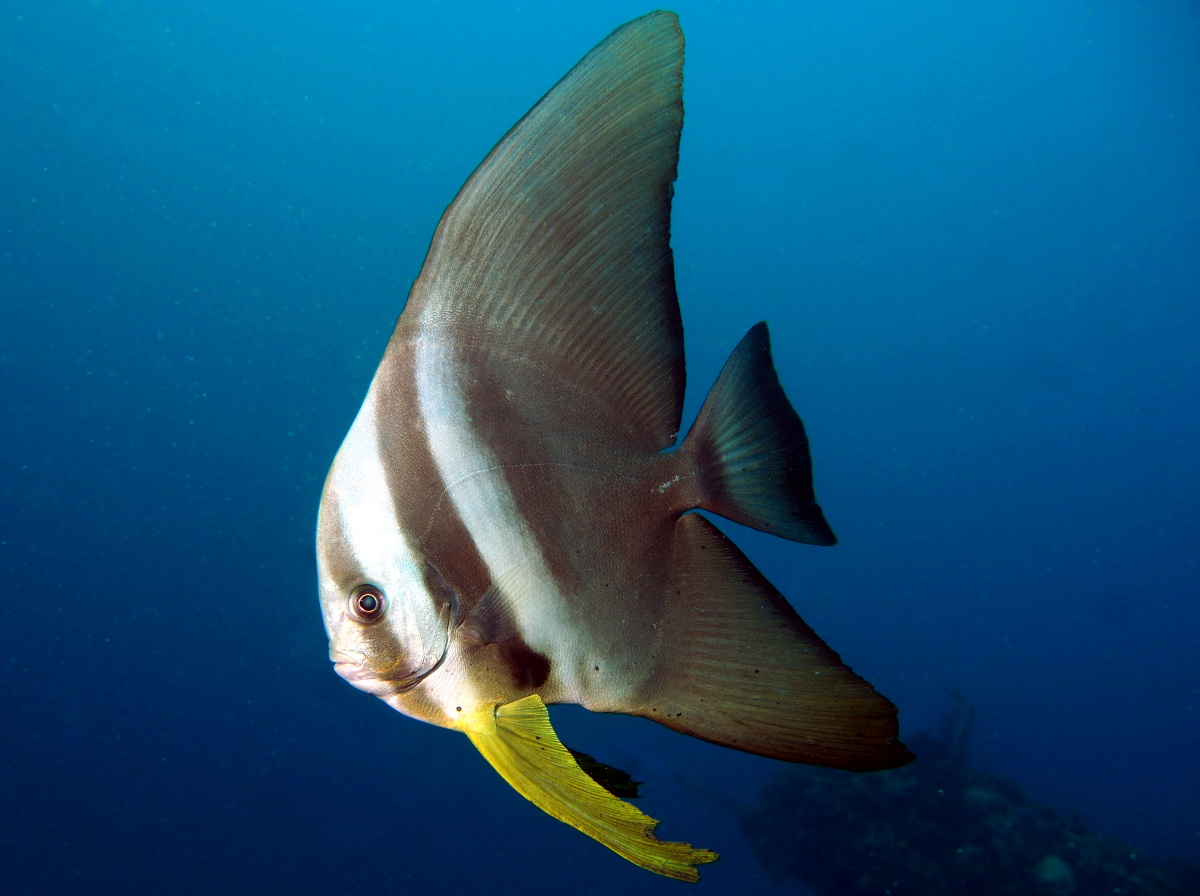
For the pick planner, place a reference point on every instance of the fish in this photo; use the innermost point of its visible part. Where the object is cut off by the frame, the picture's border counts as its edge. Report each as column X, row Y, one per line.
column 512, row 521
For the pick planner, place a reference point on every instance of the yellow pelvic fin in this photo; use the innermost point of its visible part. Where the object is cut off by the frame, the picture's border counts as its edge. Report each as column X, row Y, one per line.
column 519, row 742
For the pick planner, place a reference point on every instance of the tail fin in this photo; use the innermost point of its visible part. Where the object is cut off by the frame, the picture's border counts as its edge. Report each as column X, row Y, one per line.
column 751, row 452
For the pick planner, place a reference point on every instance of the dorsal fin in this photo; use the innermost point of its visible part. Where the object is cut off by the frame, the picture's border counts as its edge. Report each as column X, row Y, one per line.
column 555, row 254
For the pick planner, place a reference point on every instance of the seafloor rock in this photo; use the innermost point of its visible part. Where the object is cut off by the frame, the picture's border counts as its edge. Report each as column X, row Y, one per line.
column 939, row 827
column 1054, row 877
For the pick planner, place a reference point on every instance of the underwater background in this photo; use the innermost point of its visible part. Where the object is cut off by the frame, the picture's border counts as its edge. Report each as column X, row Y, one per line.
column 974, row 230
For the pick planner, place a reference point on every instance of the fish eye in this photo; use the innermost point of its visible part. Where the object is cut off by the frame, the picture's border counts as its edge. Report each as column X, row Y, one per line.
column 367, row 603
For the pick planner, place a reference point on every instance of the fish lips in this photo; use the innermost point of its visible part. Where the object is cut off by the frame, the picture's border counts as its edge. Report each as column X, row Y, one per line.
column 351, row 666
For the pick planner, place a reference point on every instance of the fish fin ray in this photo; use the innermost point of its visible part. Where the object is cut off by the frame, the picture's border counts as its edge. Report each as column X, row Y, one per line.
column 555, row 256
column 742, row 669
column 520, row 743
column 490, row 620
column 751, row 451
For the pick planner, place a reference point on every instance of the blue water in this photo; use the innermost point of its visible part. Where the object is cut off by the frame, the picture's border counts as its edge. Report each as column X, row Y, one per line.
column 974, row 228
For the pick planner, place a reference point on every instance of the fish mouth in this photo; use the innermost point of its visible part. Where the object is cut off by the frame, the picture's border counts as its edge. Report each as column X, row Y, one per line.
column 352, row 666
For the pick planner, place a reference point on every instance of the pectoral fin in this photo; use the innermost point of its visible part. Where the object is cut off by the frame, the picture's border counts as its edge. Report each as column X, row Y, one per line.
column 519, row 742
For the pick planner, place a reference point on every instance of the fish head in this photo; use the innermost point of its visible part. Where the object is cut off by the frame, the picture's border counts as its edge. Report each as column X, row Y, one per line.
column 388, row 612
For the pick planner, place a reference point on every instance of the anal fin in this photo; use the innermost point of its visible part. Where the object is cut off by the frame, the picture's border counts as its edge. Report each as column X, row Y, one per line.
column 742, row 669
column 519, row 742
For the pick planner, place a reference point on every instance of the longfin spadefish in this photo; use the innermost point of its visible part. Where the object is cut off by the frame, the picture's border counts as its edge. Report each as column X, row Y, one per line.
column 519, row 741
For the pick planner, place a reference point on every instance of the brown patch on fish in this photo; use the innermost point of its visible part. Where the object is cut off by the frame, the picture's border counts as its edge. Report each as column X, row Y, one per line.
column 528, row 668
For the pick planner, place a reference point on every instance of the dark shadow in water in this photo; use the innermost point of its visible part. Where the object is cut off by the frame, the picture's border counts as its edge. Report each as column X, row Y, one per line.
column 940, row 827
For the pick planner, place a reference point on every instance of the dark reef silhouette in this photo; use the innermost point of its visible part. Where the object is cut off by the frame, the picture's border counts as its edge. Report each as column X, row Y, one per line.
column 940, row 827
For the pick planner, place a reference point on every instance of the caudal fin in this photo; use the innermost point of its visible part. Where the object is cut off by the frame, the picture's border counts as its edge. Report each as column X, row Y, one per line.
column 751, row 452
